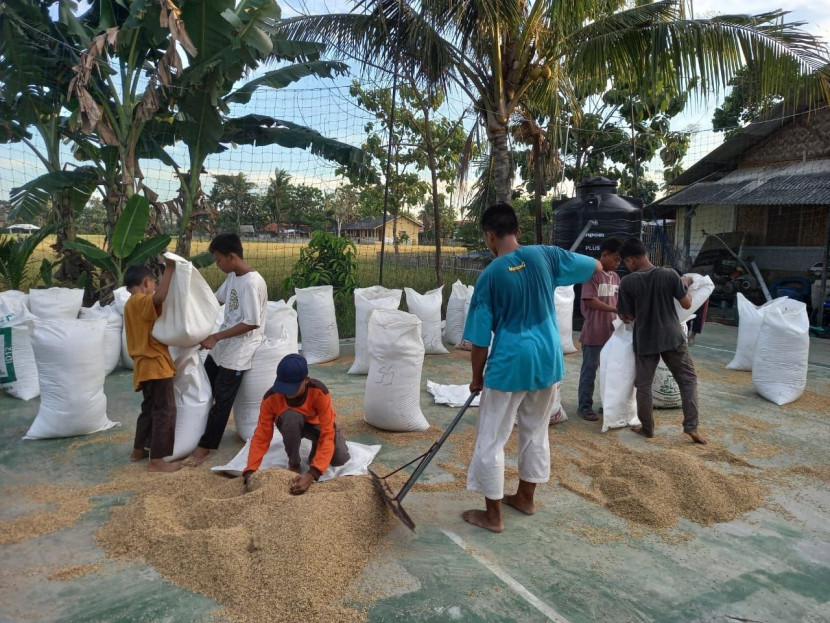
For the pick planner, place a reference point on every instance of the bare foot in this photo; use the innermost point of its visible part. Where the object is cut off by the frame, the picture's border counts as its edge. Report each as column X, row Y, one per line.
column 639, row 430
column 160, row 465
column 696, row 437
column 520, row 503
column 482, row 520
column 138, row 454
column 198, row 456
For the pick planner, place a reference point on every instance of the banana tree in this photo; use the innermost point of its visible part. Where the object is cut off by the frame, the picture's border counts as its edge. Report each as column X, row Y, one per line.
column 501, row 54
column 15, row 259
column 37, row 53
column 129, row 246
column 232, row 40
column 119, row 89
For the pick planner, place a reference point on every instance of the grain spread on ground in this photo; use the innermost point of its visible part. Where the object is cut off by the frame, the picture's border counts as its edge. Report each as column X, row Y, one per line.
column 265, row 555
column 75, row 571
column 66, row 505
column 657, row 487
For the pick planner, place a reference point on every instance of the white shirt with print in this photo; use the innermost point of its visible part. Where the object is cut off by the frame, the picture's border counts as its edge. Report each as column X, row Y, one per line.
column 245, row 299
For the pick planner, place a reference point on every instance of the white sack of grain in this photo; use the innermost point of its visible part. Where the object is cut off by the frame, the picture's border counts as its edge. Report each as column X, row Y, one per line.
column 700, row 290
column 120, row 296
column 665, row 394
column 616, row 378
column 217, row 324
column 71, row 374
column 392, row 400
column 189, row 311
column 258, row 380
column 56, row 302
column 750, row 319
column 13, row 302
column 18, row 370
column 191, row 388
column 427, row 307
column 112, row 336
column 318, row 323
column 360, row 457
column 466, row 344
column 779, row 369
column 557, row 412
column 366, row 300
column 282, row 315
column 456, row 313
column 563, row 301
column 126, row 360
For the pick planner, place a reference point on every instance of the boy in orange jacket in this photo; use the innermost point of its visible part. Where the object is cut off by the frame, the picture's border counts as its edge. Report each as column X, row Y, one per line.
column 300, row 407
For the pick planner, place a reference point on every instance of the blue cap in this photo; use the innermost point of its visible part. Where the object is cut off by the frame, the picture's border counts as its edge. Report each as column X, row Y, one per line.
column 291, row 372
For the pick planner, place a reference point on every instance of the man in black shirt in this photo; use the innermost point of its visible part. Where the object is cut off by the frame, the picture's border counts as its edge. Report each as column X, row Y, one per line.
column 647, row 295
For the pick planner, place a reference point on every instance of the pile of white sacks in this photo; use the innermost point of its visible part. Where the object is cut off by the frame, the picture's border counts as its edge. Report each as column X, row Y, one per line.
column 54, row 351
column 390, row 346
column 774, row 343
column 56, row 348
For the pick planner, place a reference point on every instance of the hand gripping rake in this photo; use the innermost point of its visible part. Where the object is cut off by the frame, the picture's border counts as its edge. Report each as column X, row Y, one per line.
column 394, row 500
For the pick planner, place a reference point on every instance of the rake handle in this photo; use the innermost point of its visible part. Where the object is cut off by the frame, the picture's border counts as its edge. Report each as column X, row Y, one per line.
column 433, row 450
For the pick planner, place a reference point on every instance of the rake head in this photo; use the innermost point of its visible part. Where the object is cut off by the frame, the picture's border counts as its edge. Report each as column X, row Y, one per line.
column 390, row 498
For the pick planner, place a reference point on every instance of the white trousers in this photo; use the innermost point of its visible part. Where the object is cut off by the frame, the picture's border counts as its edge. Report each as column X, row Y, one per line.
column 496, row 414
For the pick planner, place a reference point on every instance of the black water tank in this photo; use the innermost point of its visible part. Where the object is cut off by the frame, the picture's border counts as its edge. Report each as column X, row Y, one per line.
column 596, row 200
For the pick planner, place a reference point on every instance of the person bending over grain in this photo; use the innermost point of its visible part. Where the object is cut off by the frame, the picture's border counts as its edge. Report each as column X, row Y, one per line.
column 514, row 300
column 647, row 296
column 300, row 407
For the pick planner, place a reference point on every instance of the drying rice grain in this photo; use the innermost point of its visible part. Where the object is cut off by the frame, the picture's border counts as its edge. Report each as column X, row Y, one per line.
column 73, row 572
column 265, row 555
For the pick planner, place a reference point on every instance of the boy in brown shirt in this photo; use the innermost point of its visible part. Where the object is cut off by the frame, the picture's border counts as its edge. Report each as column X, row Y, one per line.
column 153, row 369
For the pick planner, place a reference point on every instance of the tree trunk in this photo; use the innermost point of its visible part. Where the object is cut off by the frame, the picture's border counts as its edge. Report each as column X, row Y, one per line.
column 539, row 186
column 73, row 264
column 436, row 214
column 394, row 230
column 502, row 171
column 436, row 211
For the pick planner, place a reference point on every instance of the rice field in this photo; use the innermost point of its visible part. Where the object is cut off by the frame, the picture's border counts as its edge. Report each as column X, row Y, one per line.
column 275, row 261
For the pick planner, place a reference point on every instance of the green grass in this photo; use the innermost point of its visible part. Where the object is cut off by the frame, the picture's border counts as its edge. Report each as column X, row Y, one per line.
column 275, row 261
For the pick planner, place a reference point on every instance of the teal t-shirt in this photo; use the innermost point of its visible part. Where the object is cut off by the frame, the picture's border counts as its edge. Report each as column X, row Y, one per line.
column 513, row 299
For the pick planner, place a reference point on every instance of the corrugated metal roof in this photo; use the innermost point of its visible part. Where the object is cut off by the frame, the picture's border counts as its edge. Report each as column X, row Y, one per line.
column 802, row 183
column 727, row 156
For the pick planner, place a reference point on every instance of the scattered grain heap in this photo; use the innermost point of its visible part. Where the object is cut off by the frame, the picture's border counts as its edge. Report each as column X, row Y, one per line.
column 265, row 555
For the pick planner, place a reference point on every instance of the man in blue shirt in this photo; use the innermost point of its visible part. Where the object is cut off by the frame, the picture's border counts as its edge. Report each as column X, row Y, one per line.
column 513, row 301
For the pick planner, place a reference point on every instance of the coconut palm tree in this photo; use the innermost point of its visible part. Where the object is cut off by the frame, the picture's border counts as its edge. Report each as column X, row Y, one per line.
column 504, row 53
column 274, row 197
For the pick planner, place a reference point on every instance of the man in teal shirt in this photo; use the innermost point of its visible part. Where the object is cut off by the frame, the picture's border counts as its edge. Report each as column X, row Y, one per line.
column 513, row 302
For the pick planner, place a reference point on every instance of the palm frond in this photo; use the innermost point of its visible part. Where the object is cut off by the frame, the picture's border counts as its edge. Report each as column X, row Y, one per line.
column 32, row 199
column 676, row 52
column 260, row 130
column 282, row 77
column 387, row 33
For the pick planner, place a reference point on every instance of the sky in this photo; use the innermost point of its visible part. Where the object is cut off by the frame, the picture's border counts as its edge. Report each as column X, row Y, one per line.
column 325, row 105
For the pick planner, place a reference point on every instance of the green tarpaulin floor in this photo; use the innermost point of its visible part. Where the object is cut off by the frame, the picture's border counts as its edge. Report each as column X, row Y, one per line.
column 771, row 564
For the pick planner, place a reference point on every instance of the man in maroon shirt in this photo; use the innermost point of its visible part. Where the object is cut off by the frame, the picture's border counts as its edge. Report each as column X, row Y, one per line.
column 599, row 308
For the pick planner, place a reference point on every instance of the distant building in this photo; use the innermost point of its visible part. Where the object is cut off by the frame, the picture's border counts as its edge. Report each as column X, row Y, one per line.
column 370, row 230
column 769, row 186
column 286, row 232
